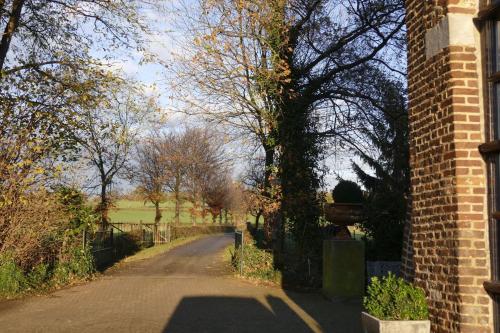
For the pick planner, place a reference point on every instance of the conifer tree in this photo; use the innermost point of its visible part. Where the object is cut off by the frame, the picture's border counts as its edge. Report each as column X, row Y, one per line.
column 388, row 184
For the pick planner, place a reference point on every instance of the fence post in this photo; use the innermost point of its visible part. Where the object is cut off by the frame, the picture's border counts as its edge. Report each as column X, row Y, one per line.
column 84, row 239
column 242, row 253
column 155, row 233
column 142, row 232
column 238, row 245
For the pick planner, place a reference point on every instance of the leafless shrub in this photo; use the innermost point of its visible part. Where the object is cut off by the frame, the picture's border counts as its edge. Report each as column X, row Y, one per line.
column 32, row 231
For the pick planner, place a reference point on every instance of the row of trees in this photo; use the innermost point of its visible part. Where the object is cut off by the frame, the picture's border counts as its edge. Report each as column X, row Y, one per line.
column 190, row 166
column 62, row 109
column 295, row 77
column 59, row 104
column 52, row 89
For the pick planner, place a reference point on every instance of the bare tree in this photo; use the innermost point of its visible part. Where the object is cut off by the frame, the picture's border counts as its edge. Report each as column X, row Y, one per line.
column 172, row 148
column 288, row 73
column 254, row 180
column 204, row 155
column 236, row 203
column 108, row 134
column 217, row 193
column 43, row 30
column 227, row 75
column 149, row 172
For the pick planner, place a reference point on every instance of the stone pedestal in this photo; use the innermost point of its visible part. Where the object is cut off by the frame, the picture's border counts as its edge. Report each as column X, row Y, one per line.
column 343, row 269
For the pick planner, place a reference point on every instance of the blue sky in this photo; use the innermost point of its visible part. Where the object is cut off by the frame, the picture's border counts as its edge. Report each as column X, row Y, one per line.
column 163, row 43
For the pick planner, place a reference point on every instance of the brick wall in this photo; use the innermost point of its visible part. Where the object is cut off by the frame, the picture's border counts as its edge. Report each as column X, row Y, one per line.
column 407, row 267
column 448, row 255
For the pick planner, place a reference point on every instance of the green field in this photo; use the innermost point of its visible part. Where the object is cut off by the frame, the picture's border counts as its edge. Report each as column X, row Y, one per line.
column 134, row 211
column 128, row 211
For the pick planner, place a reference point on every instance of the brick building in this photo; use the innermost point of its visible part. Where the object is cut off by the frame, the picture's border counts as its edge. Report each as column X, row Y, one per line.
column 454, row 104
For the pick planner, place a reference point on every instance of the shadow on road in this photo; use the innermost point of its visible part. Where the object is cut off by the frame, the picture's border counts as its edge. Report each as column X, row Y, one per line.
column 234, row 314
column 242, row 314
column 340, row 315
column 185, row 290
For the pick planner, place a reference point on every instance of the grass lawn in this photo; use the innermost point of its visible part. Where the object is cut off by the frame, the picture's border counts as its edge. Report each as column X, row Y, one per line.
column 131, row 215
column 130, row 211
column 137, row 204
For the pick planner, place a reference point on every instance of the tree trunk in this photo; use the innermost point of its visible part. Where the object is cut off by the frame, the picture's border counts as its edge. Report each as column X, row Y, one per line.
column 203, row 213
column 158, row 212
column 10, row 28
column 177, row 200
column 269, row 163
column 257, row 218
column 104, row 206
column 195, row 211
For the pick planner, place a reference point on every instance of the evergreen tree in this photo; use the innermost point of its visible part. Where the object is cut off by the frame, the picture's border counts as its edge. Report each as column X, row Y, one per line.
column 388, row 187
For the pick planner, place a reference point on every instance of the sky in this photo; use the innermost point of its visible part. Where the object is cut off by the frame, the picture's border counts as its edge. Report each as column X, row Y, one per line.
column 163, row 43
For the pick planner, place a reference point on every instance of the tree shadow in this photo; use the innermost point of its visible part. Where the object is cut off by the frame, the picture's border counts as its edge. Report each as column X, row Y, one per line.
column 335, row 315
column 233, row 314
column 243, row 314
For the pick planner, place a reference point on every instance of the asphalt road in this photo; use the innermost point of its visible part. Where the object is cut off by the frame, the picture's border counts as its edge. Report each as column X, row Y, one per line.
column 188, row 289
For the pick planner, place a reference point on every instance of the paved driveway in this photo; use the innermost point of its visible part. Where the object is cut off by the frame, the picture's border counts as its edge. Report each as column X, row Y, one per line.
column 187, row 289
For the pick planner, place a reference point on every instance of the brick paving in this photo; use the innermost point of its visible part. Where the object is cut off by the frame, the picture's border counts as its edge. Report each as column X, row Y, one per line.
column 188, row 289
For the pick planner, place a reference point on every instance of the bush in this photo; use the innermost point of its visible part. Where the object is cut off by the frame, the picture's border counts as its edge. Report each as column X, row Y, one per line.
column 12, row 279
column 258, row 263
column 347, row 192
column 302, row 273
column 32, row 230
column 41, row 241
column 73, row 200
column 393, row 298
column 39, row 275
column 77, row 263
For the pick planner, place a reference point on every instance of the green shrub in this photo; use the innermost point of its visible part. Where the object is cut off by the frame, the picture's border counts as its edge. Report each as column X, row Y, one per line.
column 257, row 263
column 39, row 275
column 42, row 244
column 347, row 191
column 12, row 279
column 392, row 298
column 74, row 203
column 77, row 264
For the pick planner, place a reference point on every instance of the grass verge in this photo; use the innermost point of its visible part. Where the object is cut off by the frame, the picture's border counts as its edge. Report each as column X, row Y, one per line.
column 257, row 265
column 14, row 285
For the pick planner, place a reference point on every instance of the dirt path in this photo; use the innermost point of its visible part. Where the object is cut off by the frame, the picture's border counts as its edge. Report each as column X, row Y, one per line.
column 185, row 290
